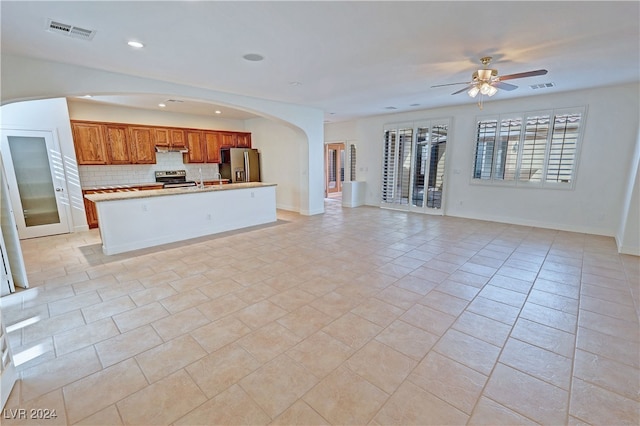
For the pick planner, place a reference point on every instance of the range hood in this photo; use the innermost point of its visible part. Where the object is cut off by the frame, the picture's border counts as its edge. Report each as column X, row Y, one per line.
column 167, row 149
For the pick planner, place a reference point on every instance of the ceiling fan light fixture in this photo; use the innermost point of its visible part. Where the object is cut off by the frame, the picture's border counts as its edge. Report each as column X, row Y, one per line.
column 484, row 74
column 484, row 81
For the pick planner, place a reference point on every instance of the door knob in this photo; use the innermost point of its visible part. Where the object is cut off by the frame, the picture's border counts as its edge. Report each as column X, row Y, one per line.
column 59, row 189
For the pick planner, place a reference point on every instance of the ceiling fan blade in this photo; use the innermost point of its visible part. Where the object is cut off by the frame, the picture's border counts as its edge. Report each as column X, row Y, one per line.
column 522, row 75
column 505, row 86
column 449, row 84
column 469, row 86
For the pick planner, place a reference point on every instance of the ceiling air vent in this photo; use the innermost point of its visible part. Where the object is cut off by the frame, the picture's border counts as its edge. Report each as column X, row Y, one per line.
column 69, row 30
column 542, row 86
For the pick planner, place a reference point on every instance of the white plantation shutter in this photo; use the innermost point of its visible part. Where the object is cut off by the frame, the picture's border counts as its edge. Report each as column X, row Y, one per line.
column 564, row 144
column 389, row 166
column 536, row 149
column 507, row 150
column 486, row 134
column 405, row 139
column 396, row 168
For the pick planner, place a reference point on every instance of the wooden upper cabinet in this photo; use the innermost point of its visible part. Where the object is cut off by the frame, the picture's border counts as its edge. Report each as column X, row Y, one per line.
column 244, row 140
column 117, row 144
column 143, row 144
column 228, row 139
column 89, row 143
column 177, row 138
column 195, row 144
column 161, row 136
column 167, row 137
column 212, row 142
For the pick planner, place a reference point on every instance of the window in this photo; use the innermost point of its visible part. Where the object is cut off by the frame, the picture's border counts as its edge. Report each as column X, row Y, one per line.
column 533, row 149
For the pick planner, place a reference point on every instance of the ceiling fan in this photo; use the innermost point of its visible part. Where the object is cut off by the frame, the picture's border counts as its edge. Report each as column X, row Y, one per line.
column 486, row 81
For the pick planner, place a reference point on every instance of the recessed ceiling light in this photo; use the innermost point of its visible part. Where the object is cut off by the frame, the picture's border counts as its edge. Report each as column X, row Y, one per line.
column 218, row 112
column 253, row 57
column 162, row 105
column 135, row 44
column 86, row 96
column 295, row 83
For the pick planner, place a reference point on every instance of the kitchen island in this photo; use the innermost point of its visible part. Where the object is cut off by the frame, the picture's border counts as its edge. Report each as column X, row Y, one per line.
column 140, row 219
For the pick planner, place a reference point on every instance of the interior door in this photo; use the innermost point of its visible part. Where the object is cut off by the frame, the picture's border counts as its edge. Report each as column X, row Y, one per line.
column 10, row 240
column 36, row 179
column 6, row 281
column 334, row 167
column 8, row 374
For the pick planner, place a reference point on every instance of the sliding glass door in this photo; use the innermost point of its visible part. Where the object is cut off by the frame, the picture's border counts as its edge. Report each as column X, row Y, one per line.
column 413, row 167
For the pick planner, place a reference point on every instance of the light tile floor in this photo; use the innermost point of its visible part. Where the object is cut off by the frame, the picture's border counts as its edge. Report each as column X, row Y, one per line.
column 357, row 316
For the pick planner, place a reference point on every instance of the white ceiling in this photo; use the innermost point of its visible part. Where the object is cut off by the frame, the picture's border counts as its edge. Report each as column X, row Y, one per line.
column 351, row 59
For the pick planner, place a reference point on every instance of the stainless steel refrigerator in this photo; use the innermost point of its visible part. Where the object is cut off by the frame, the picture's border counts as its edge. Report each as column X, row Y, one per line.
column 240, row 164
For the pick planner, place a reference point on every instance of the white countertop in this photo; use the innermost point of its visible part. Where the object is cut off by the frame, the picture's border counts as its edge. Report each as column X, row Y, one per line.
column 113, row 196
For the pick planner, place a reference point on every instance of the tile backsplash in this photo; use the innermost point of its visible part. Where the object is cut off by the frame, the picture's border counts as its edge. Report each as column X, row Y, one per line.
column 143, row 173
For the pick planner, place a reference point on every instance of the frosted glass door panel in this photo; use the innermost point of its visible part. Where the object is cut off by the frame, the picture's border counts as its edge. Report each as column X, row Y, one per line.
column 35, row 184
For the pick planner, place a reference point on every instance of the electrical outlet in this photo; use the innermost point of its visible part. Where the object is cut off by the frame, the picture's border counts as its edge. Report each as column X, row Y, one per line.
column 144, row 208
column 208, row 216
column 253, row 195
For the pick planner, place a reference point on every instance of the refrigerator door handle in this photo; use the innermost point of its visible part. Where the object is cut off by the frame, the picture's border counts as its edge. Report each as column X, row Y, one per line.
column 247, row 172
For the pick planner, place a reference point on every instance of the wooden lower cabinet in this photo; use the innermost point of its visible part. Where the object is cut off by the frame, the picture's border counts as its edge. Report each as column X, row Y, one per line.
column 90, row 210
column 90, row 206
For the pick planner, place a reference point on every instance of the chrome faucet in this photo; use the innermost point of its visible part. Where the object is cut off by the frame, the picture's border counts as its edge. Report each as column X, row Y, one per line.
column 219, row 176
column 201, row 181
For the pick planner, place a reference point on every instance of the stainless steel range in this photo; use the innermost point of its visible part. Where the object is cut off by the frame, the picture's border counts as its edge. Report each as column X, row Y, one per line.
column 173, row 179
